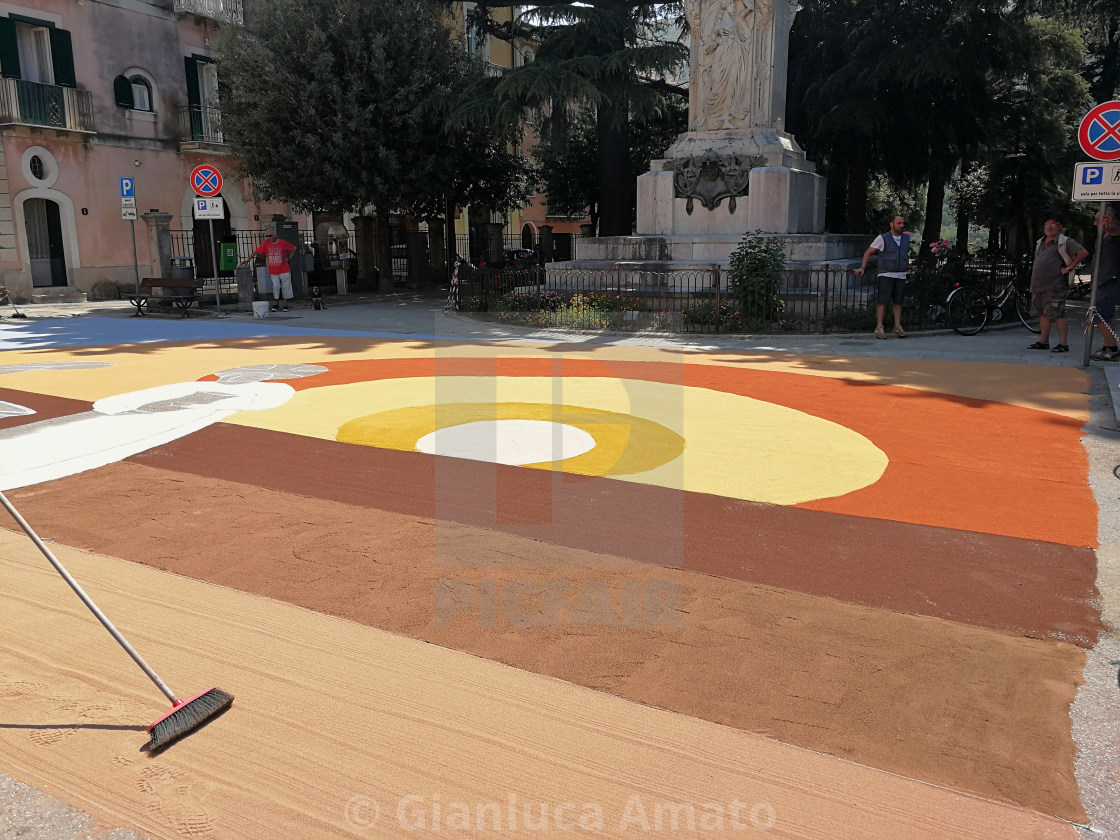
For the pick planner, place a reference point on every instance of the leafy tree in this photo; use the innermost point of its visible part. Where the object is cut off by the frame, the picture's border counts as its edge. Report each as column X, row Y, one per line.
column 568, row 153
column 916, row 90
column 325, row 108
column 608, row 58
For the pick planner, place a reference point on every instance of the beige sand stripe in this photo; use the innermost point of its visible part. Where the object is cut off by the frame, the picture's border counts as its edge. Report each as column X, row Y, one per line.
column 332, row 716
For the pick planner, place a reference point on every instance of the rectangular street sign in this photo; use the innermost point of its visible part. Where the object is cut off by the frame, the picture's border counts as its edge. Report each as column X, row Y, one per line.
column 1096, row 181
column 128, row 187
column 130, row 203
column 128, row 213
column 209, row 208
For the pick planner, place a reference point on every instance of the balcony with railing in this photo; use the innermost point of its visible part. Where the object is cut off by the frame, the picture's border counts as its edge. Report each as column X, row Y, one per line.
column 200, row 128
column 226, row 11
column 51, row 106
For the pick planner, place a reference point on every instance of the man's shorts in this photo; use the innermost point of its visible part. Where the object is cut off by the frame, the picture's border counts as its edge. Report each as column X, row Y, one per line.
column 282, row 282
column 1050, row 301
column 1108, row 295
column 891, row 289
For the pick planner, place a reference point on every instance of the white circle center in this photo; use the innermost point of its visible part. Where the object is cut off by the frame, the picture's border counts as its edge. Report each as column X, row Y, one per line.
column 513, row 442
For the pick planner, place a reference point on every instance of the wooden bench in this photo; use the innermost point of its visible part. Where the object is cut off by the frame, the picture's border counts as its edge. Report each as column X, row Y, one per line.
column 181, row 294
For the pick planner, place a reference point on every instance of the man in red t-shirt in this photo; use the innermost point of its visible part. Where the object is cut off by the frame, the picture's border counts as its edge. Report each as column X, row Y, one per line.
column 275, row 251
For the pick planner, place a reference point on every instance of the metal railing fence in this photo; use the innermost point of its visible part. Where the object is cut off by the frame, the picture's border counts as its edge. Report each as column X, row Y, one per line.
column 227, row 11
column 200, row 124
column 818, row 300
column 53, row 106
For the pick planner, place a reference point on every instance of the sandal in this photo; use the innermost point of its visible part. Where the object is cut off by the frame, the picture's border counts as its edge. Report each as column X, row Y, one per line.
column 1060, row 348
column 1039, row 345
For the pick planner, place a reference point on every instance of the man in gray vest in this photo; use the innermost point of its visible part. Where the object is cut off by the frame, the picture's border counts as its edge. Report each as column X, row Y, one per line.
column 894, row 261
column 1055, row 256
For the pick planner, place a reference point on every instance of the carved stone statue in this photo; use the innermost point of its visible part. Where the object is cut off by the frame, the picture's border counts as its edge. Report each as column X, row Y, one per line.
column 732, row 62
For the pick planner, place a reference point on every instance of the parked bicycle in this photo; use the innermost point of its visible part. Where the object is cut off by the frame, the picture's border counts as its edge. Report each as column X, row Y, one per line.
column 1079, row 284
column 970, row 308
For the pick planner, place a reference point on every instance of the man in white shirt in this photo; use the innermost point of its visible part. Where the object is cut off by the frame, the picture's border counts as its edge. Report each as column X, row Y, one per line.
column 894, row 262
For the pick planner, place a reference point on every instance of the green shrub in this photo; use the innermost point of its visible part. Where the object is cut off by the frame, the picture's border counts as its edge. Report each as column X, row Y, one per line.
column 755, row 275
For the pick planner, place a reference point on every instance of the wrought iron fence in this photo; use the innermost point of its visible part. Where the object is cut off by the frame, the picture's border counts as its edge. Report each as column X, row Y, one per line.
column 200, row 124
column 821, row 299
column 54, row 106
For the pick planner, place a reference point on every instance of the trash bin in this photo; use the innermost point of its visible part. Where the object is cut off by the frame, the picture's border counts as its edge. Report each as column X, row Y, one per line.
column 182, row 268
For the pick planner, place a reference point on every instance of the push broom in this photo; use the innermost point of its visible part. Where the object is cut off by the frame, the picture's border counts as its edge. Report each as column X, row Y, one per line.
column 185, row 716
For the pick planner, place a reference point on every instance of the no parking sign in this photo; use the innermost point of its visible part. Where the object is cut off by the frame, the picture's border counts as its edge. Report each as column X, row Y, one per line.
column 206, row 180
column 1100, row 132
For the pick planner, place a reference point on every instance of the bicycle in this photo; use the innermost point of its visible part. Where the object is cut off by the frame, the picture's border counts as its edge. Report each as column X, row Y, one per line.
column 1079, row 284
column 970, row 308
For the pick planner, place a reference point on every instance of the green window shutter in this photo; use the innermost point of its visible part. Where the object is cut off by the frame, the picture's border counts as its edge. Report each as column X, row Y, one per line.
column 194, row 99
column 9, row 49
column 194, row 91
column 62, row 57
column 122, row 90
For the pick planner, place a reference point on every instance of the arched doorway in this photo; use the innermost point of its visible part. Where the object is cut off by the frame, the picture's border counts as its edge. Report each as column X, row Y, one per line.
column 529, row 236
column 46, row 251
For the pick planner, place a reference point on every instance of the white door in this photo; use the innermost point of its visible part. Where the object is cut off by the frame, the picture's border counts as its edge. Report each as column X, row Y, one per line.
column 34, row 43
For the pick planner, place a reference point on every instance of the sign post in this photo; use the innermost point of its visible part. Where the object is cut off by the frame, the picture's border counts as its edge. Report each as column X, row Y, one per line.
column 128, row 213
column 1099, row 135
column 206, row 181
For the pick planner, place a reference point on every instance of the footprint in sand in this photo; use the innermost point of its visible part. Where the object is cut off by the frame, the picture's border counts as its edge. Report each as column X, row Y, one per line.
column 49, row 737
column 21, row 688
column 171, row 802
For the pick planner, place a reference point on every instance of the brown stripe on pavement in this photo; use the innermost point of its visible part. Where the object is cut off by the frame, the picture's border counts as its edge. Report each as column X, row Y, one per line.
column 45, row 407
column 1042, row 590
column 954, row 705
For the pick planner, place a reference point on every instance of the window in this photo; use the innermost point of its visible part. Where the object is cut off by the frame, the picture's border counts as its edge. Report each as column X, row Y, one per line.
column 141, row 93
column 36, row 167
column 204, row 117
column 36, row 51
column 135, row 90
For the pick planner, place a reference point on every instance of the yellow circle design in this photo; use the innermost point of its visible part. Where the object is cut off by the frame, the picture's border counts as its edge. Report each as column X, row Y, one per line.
column 624, row 444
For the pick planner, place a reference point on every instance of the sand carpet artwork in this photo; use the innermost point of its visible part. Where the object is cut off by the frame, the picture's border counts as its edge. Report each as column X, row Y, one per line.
column 886, row 563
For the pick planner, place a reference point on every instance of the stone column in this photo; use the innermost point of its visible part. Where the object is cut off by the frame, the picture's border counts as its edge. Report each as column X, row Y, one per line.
column 495, row 247
column 547, row 251
column 159, row 242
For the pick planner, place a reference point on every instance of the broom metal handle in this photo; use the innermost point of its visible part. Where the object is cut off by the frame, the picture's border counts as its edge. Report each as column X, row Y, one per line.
column 129, row 649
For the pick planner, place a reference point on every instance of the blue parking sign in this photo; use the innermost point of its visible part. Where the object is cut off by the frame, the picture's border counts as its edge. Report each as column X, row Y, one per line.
column 1092, row 175
column 128, row 188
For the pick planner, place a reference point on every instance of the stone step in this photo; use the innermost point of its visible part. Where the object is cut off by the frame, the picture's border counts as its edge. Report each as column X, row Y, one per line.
column 58, row 294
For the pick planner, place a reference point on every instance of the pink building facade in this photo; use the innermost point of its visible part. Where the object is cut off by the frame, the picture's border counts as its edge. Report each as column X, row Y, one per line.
column 93, row 92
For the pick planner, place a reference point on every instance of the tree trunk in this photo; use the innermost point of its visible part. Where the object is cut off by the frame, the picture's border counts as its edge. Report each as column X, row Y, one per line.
column 452, row 246
column 615, row 209
column 935, row 202
column 384, row 252
column 963, row 218
column 836, row 201
column 855, row 220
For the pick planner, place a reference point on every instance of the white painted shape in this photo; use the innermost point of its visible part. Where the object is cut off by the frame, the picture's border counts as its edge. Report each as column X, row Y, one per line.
column 514, row 442
column 118, row 428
